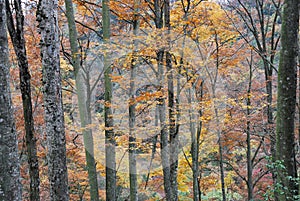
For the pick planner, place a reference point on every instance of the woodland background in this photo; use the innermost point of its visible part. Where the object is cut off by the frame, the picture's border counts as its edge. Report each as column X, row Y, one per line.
column 149, row 100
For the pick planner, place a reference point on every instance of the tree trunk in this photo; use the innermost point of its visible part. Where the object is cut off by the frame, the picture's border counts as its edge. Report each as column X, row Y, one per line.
column 172, row 110
column 10, row 185
column 132, row 106
column 164, row 139
column 287, row 81
column 219, row 131
column 249, row 147
column 84, row 103
column 194, row 147
column 110, row 142
column 52, row 94
column 16, row 32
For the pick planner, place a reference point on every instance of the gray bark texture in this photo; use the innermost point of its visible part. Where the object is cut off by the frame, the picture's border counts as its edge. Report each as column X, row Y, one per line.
column 110, row 142
column 132, row 112
column 16, row 31
column 173, row 135
column 52, row 94
column 83, row 90
column 10, row 186
column 161, row 106
column 286, row 101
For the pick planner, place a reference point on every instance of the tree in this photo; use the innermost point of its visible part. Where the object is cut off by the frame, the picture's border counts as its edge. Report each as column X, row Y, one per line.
column 10, row 186
column 84, row 102
column 173, row 133
column 287, row 85
column 261, row 20
column 110, row 142
column 16, row 31
column 132, row 111
column 52, row 94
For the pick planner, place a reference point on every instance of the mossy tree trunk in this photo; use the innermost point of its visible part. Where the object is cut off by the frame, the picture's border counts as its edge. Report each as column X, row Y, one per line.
column 286, row 101
column 52, row 94
column 10, row 185
column 16, row 31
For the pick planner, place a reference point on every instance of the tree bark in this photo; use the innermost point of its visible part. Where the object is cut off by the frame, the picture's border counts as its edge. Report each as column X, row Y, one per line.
column 132, row 108
column 287, row 84
column 110, row 142
column 194, row 147
column 171, row 108
column 10, row 186
column 83, row 90
column 219, row 131
column 248, row 131
column 16, row 31
column 52, row 95
column 164, row 138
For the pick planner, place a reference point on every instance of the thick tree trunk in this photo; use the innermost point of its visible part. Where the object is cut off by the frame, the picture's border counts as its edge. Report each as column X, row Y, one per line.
column 16, row 32
column 172, row 110
column 10, row 186
column 52, row 94
column 287, row 81
column 110, row 142
column 164, row 138
column 84, row 103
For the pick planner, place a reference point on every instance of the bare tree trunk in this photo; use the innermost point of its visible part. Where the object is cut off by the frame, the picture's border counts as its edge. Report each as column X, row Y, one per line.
column 219, row 131
column 287, row 84
column 16, row 32
column 249, row 147
column 164, row 138
column 110, row 142
column 84, row 103
column 173, row 136
column 52, row 94
column 10, row 185
column 194, row 147
column 132, row 106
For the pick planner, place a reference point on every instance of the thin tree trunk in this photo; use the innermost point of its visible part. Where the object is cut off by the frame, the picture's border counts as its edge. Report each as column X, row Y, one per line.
column 219, row 132
column 265, row 46
column 52, row 94
column 164, row 138
column 16, row 32
column 132, row 137
column 194, row 148
column 287, row 84
column 84, row 103
column 132, row 105
column 10, row 185
column 110, row 142
column 249, row 158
